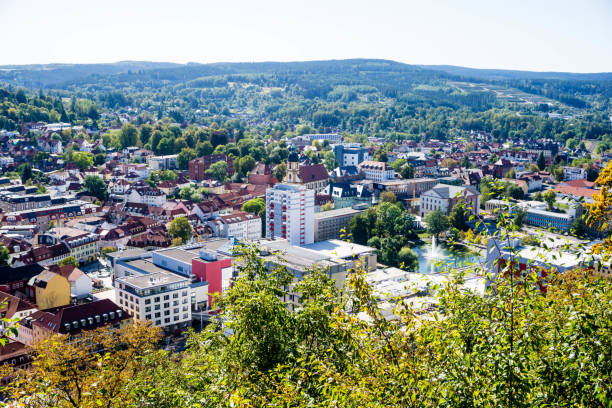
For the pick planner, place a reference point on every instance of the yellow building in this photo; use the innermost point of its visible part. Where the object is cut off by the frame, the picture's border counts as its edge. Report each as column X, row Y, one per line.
column 49, row 290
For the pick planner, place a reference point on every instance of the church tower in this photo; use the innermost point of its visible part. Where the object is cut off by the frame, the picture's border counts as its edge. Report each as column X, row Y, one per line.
column 293, row 168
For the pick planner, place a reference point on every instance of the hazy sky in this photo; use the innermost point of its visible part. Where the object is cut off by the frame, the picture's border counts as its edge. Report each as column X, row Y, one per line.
column 541, row 35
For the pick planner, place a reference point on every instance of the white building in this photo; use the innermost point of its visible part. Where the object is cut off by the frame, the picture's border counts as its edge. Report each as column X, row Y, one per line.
column 290, row 213
column 241, row 225
column 376, row 171
column 146, row 195
column 81, row 285
column 573, row 173
column 444, row 197
column 156, row 295
column 162, row 162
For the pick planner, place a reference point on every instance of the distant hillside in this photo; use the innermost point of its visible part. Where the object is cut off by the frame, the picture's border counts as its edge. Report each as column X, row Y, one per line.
column 49, row 75
column 501, row 74
column 354, row 94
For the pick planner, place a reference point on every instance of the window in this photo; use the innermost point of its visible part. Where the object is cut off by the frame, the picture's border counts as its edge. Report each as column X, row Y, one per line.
column 166, row 297
column 156, row 307
column 166, row 305
column 148, row 317
column 166, row 312
column 176, row 318
column 175, row 295
column 158, row 314
column 175, row 303
column 147, row 301
column 167, row 320
column 185, row 316
column 156, row 299
column 148, row 309
column 176, row 310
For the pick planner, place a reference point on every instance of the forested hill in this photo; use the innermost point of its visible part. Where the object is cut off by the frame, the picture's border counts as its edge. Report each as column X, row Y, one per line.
column 52, row 75
column 365, row 81
column 501, row 74
column 61, row 75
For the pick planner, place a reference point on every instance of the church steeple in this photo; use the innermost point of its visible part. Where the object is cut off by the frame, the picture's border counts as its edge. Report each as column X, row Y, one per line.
column 293, row 167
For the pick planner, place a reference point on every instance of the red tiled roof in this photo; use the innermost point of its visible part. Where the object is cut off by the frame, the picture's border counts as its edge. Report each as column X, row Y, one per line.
column 579, row 183
column 575, row 191
column 314, row 172
column 56, row 319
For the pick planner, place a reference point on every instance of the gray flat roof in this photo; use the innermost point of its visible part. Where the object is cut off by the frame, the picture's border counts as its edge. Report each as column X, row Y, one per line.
column 144, row 266
column 336, row 213
column 338, row 248
column 180, row 254
column 153, row 280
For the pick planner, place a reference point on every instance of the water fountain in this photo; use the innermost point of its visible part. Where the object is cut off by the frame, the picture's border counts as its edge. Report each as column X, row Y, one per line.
column 434, row 255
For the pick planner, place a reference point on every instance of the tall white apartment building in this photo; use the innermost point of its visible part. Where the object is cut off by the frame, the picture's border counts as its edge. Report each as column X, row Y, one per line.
column 290, row 213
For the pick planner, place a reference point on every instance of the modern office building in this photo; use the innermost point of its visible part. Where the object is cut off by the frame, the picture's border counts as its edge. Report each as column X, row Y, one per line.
column 331, row 224
column 290, row 213
column 165, row 286
column 350, row 154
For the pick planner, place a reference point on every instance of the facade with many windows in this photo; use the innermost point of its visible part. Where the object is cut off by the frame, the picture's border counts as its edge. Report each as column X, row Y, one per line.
column 376, row 171
column 159, row 296
column 330, row 224
column 290, row 213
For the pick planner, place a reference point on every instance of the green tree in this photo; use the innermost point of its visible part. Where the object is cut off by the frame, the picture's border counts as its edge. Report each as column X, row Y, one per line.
column 457, row 217
column 437, row 222
column 145, row 134
column 128, row 135
column 541, row 161
column 246, row 164
column 218, row 171
column 407, row 172
column 549, row 198
column 165, row 146
column 388, row 197
column 280, row 171
column 519, row 217
column 99, row 159
column 180, row 228
column 254, row 206
column 361, row 226
column 83, row 159
column 4, row 255
column 25, row 172
column 71, row 260
column 538, row 196
column 327, row 206
column 591, row 174
column 190, row 193
column 329, row 160
column 408, row 259
column 184, row 157
column 579, row 227
column 204, row 148
column 96, row 187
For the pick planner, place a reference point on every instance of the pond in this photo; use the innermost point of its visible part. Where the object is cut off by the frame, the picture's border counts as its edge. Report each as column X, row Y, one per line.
column 442, row 258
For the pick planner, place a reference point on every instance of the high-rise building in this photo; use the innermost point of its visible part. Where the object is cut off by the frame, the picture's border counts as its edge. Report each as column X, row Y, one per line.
column 290, row 213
